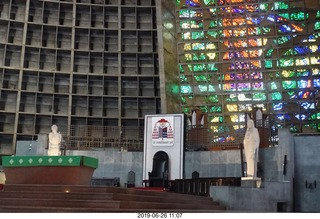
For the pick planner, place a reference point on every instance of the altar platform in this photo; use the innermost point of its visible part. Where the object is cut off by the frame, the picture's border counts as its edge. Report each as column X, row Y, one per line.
column 55, row 170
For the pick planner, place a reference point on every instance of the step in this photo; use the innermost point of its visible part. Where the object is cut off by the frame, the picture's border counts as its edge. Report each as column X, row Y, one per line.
column 49, row 209
column 161, row 198
column 57, row 195
column 101, row 189
column 55, row 188
column 108, row 204
column 46, row 209
column 75, row 198
column 159, row 194
column 163, row 205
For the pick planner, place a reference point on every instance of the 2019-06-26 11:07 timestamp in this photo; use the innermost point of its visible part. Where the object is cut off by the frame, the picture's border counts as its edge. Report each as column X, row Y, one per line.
column 159, row 215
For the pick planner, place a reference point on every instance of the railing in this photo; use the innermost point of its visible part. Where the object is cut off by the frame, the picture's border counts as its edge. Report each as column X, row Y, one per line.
column 205, row 138
column 201, row 186
column 101, row 137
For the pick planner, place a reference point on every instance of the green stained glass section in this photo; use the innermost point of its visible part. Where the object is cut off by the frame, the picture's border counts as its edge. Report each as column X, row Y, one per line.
column 175, row 89
column 186, row 89
column 266, row 30
column 290, row 52
column 289, row 84
column 198, row 46
column 317, row 25
column 299, row 16
column 187, row 24
column 276, row 96
column 211, row 88
column 214, row 34
column 216, row 109
column 209, row 2
column 181, row 69
column 197, row 35
column 281, row 6
column 200, row 78
column 303, row 72
column 269, row 53
column 294, row 129
column 212, row 67
column 288, row 74
column 204, row 109
column 199, row 57
column 231, row 98
column 286, row 62
column 268, row 64
column 285, row 15
column 211, row 25
column 198, row 67
column 273, row 86
column 259, row 96
column 183, row 100
column 212, row 99
column 263, row 7
column 203, row 88
column 313, row 117
column 281, row 40
column 295, row 16
column 206, row 88
column 291, row 94
column 186, row 13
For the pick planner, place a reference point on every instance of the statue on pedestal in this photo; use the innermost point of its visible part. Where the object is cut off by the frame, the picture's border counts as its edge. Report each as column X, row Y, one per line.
column 251, row 144
column 54, row 142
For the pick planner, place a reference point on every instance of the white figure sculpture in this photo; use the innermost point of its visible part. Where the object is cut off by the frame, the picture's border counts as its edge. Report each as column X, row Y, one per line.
column 251, row 148
column 54, row 142
column 259, row 115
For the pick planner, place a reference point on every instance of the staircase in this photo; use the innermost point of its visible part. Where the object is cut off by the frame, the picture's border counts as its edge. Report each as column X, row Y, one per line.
column 76, row 199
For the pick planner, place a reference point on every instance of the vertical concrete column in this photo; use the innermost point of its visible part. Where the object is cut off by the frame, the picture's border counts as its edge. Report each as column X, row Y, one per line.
column 23, row 48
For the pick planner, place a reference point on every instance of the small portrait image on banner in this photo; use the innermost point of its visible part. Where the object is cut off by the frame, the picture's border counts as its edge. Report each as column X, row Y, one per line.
column 162, row 133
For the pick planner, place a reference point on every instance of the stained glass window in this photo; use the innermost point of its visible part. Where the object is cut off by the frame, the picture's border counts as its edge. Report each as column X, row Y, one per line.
column 245, row 54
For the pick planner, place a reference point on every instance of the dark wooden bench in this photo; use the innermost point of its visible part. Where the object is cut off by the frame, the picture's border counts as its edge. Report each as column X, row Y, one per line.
column 201, row 186
column 106, row 181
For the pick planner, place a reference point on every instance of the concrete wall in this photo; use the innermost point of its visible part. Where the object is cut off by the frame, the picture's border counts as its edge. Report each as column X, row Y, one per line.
column 213, row 163
column 114, row 163
column 257, row 200
column 277, row 187
column 307, row 169
column 118, row 164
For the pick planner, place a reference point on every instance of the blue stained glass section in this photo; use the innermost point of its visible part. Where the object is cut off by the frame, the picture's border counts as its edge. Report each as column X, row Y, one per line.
column 278, row 106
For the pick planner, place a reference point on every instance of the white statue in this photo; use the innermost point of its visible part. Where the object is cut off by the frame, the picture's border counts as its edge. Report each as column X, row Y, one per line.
column 54, row 142
column 251, row 148
column 259, row 114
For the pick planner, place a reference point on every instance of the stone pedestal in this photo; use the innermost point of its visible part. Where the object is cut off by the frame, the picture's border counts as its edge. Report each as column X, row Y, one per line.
column 251, row 182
